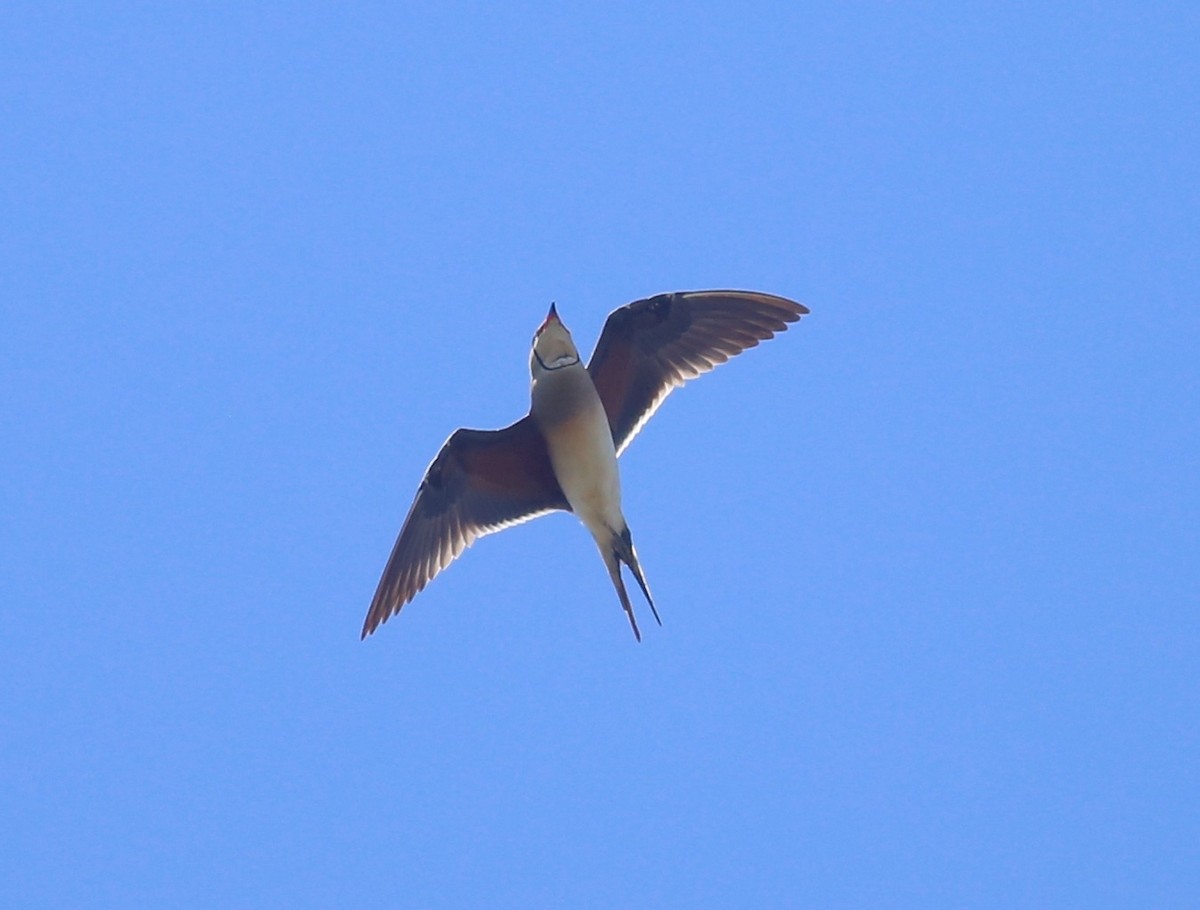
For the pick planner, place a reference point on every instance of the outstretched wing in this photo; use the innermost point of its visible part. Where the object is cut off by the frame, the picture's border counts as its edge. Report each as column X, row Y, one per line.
column 480, row 482
column 652, row 346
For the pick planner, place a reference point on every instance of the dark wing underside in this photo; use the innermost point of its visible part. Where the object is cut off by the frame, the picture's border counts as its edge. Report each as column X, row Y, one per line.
column 481, row 481
column 652, row 346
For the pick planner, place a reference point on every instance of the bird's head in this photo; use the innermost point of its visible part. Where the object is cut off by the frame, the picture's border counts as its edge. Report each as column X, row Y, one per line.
column 553, row 348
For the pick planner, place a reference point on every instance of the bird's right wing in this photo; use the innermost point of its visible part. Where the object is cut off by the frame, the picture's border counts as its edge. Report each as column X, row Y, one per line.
column 652, row 346
column 480, row 482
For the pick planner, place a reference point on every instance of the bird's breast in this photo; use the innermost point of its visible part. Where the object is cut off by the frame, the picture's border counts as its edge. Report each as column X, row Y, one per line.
column 572, row 419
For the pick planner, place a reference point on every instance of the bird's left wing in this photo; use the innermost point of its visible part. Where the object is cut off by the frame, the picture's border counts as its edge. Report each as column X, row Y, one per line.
column 651, row 346
column 480, row 482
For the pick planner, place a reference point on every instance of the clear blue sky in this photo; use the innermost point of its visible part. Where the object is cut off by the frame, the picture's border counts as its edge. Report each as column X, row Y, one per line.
column 927, row 562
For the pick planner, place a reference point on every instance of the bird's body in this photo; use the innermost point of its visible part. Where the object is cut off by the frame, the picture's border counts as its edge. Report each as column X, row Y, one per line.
column 584, row 460
column 563, row 455
column 566, row 408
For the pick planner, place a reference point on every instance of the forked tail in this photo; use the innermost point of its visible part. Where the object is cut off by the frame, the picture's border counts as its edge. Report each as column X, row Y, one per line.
column 620, row 550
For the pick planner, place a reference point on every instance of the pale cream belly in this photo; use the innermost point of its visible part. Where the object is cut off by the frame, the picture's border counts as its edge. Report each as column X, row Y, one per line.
column 585, row 463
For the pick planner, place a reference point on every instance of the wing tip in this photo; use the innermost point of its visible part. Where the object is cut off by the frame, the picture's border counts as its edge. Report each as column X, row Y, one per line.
column 789, row 309
column 376, row 617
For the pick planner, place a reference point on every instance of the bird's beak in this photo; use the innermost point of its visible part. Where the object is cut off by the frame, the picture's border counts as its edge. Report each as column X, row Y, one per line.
column 552, row 316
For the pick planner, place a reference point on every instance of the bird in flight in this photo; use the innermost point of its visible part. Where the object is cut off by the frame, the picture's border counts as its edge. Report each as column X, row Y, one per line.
column 563, row 453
